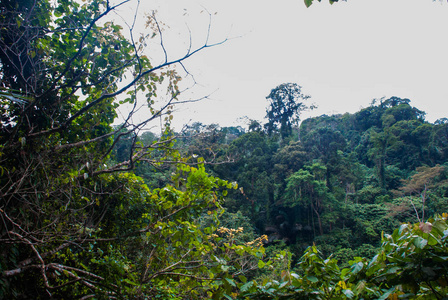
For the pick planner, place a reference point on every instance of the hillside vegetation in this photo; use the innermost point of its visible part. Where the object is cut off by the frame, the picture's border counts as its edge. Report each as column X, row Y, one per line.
column 90, row 210
column 336, row 186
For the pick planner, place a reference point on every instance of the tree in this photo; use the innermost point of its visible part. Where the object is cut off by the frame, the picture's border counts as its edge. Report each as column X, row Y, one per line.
column 75, row 221
column 380, row 143
column 285, row 107
column 421, row 184
column 307, row 188
column 252, row 170
column 439, row 141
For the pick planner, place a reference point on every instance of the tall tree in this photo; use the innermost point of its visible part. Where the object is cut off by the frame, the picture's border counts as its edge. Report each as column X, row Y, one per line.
column 307, row 187
column 285, row 105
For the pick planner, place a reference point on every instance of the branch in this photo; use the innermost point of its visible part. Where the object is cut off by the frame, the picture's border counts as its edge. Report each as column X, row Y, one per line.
column 83, row 143
column 193, row 276
column 123, row 89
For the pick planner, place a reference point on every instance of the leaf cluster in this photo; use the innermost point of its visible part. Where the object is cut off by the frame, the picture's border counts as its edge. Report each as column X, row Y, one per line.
column 411, row 264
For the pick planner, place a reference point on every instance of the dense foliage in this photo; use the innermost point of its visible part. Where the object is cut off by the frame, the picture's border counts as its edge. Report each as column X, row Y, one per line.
column 92, row 210
column 336, row 183
column 410, row 264
column 342, row 176
column 75, row 221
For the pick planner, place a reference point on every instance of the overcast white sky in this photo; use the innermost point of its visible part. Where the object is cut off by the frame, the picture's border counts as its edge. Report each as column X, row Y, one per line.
column 343, row 55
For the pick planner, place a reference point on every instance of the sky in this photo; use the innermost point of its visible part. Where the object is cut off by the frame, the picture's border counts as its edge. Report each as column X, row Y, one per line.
column 343, row 55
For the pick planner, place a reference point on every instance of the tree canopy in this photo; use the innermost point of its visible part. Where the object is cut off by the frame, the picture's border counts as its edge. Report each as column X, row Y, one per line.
column 89, row 209
column 285, row 105
column 76, row 222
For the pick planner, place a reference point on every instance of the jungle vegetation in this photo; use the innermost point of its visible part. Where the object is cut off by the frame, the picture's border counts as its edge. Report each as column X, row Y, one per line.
column 348, row 206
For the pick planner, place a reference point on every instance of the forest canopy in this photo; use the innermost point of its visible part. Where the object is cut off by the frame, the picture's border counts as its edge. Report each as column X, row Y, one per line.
column 90, row 209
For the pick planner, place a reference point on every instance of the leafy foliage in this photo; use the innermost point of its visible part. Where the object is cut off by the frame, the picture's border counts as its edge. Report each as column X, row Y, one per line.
column 341, row 182
column 285, row 108
column 91, row 210
column 410, row 264
column 76, row 220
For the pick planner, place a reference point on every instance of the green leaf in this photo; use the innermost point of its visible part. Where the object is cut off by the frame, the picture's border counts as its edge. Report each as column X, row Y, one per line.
column 231, row 282
column 357, row 267
column 283, row 285
column 261, row 264
column 312, row 278
column 245, row 287
column 360, row 286
column 373, row 260
column 393, row 270
column 432, row 240
column 420, row 242
column 308, row 3
column 388, row 292
column 130, row 282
